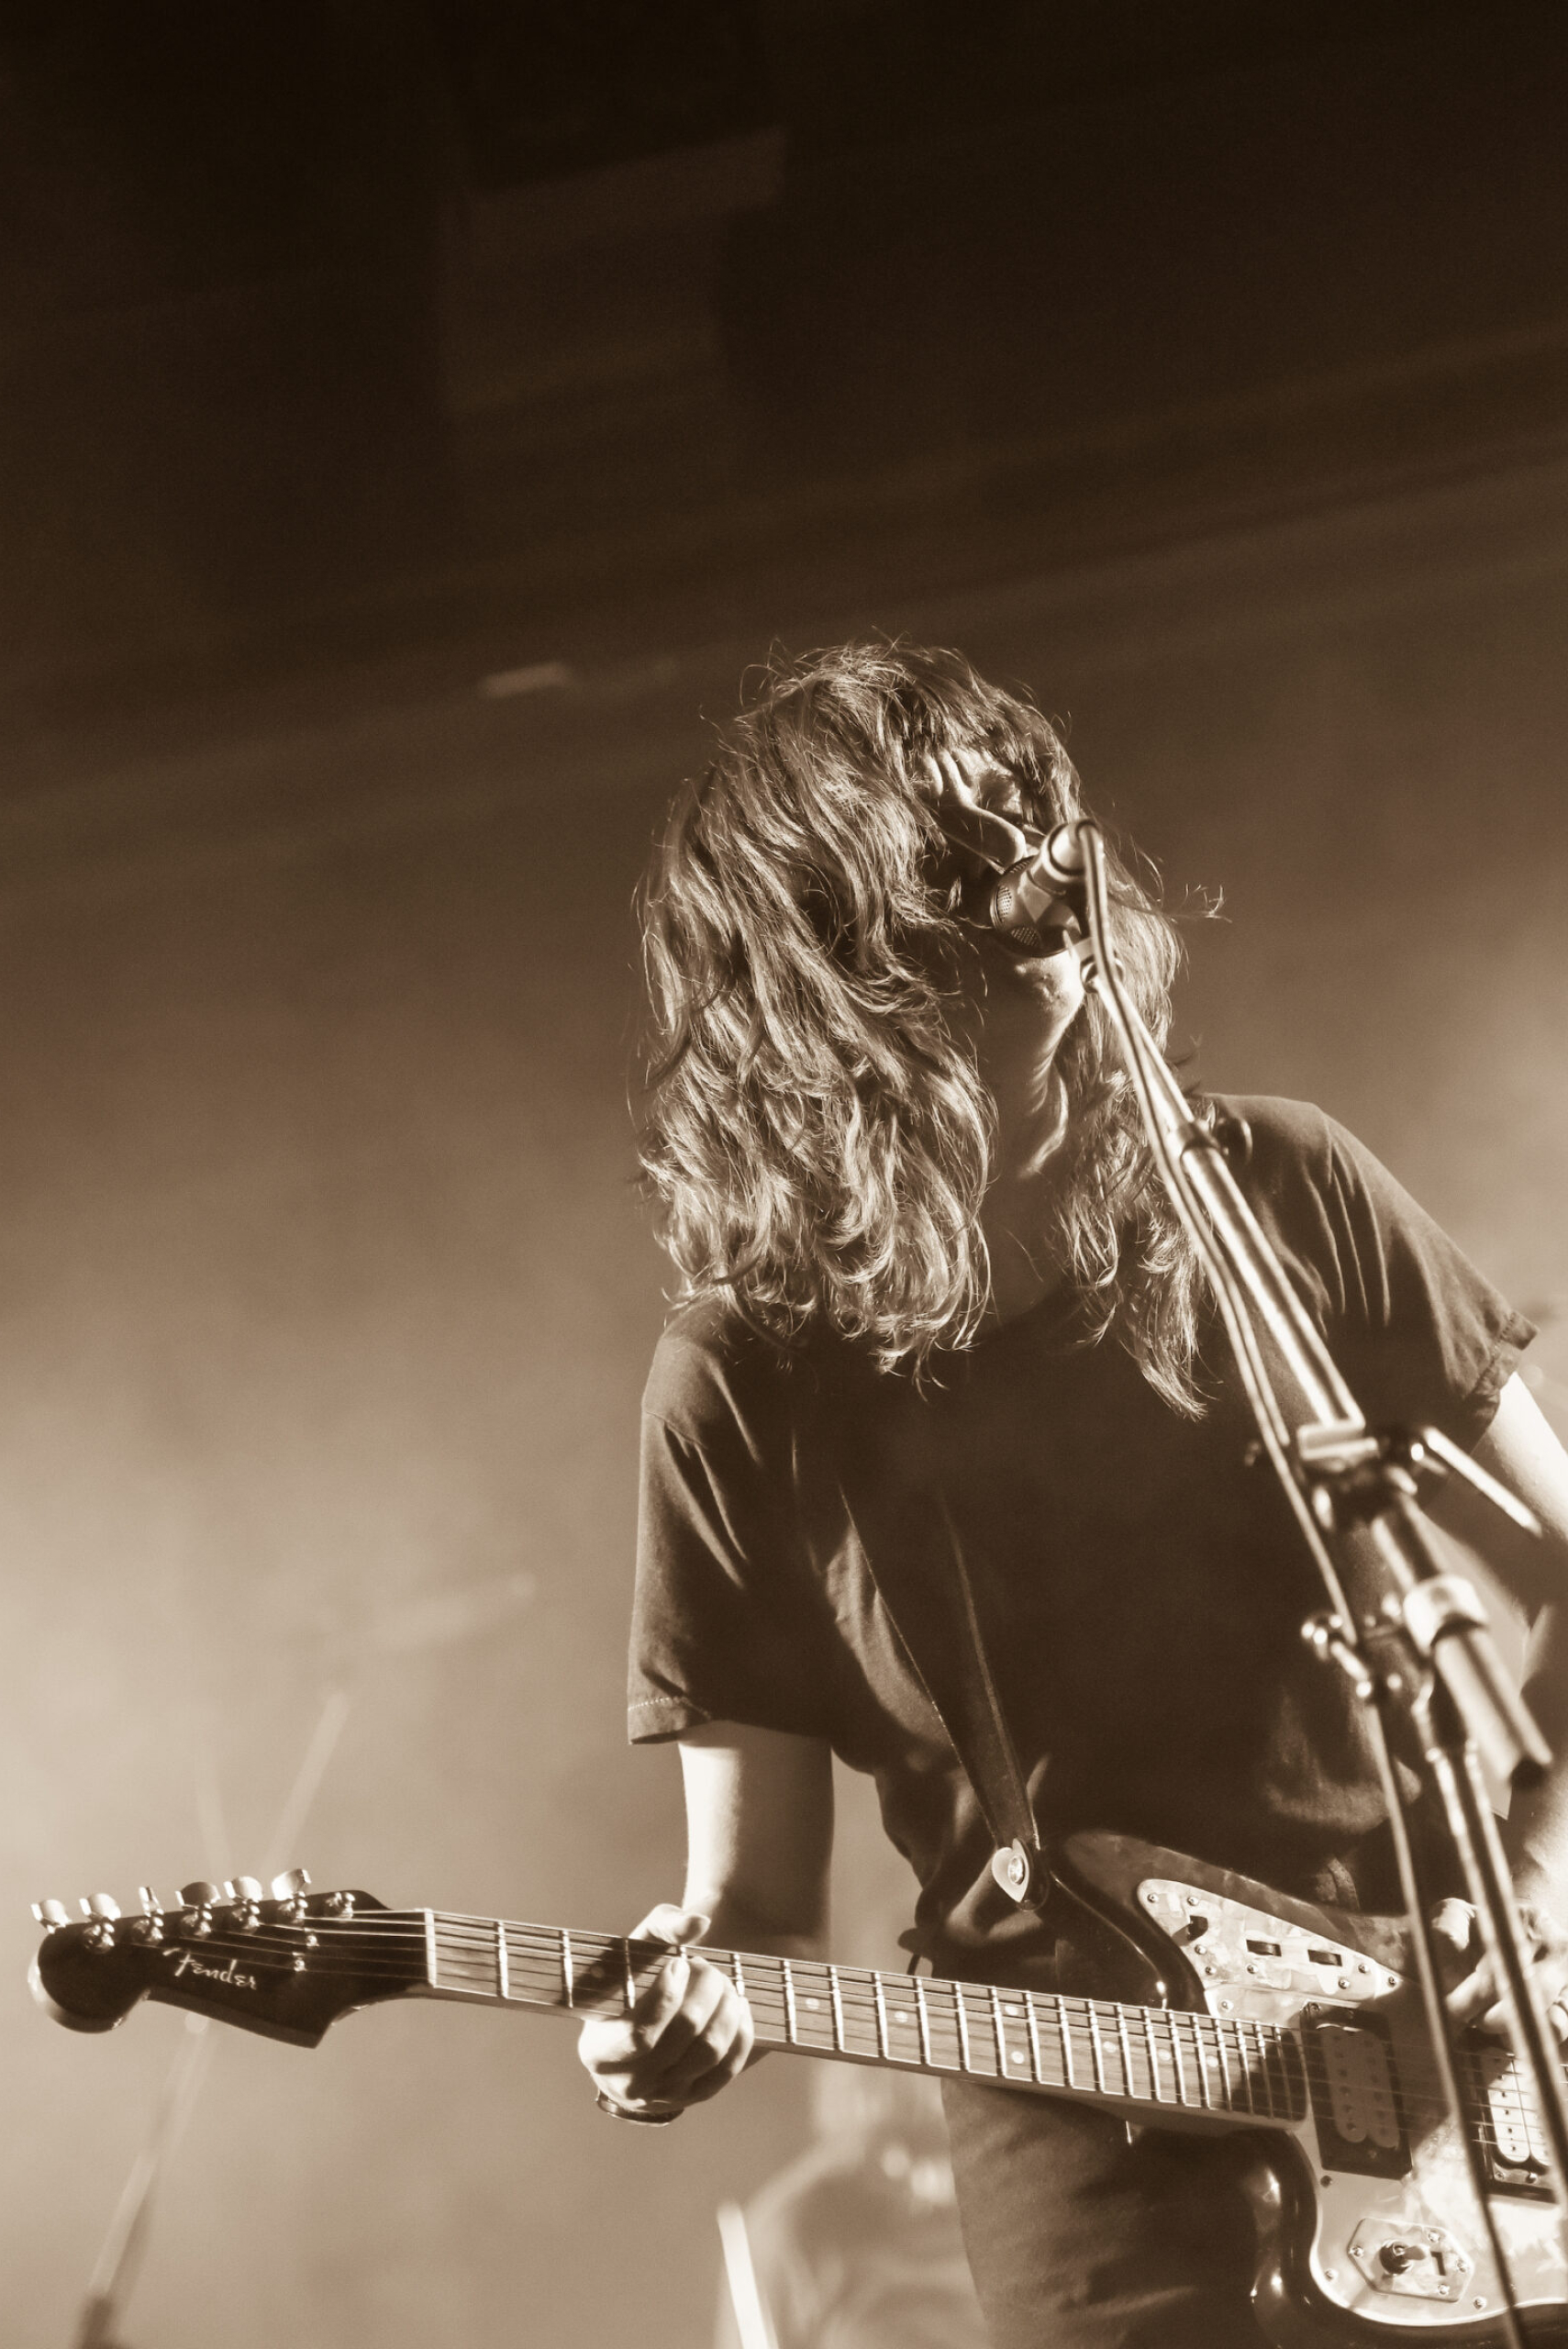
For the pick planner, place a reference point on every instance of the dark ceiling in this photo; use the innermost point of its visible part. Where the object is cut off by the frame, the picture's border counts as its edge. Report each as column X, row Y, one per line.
column 354, row 299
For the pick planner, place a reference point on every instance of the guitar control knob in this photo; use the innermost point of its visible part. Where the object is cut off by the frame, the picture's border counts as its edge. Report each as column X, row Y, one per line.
column 1397, row 2257
column 52, row 1914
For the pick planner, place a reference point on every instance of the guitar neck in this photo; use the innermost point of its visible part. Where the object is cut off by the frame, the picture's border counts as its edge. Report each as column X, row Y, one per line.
column 1151, row 2057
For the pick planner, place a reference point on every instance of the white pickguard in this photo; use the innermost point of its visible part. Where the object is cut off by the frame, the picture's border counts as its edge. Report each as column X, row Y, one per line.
column 1410, row 2250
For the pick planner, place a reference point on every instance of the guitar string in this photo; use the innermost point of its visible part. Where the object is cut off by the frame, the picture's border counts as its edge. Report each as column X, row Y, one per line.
column 1186, row 2031
column 860, row 2020
column 1194, row 2028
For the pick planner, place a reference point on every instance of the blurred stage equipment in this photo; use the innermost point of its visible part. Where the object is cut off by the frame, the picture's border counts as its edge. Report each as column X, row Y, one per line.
column 856, row 2243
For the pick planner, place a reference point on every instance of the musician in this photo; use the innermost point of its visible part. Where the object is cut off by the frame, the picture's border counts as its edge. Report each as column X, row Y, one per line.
column 934, row 1296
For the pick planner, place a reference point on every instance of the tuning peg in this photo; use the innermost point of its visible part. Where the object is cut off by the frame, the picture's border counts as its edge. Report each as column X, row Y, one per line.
column 149, row 1926
column 291, row 1884
column 52, row 1914
column 197, row 1899
column 245, row 1892
column 100, row 1908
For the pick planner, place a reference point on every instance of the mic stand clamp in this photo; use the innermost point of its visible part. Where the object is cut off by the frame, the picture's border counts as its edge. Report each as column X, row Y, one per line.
column 1359, row 1476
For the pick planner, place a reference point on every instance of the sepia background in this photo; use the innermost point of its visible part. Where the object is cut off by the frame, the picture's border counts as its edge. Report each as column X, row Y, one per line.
column 414, row 421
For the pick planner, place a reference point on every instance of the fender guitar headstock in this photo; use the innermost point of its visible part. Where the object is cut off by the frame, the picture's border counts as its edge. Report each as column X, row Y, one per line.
column 286, row 1966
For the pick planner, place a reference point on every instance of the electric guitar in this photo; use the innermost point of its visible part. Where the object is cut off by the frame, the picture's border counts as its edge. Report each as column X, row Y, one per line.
column 1246, row 2009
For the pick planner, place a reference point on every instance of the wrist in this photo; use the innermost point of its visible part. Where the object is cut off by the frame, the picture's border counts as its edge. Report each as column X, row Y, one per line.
column 645, row 2116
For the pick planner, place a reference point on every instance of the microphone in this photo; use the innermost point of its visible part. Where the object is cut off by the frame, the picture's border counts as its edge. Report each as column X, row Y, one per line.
column 1036, row 907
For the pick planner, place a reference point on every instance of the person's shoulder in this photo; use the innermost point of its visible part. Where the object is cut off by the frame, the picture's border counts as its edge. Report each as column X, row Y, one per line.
column 1284, row 1137
column 714, row 1369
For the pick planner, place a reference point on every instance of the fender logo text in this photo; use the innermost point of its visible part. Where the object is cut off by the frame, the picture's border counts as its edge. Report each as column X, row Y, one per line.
column 231, row 1974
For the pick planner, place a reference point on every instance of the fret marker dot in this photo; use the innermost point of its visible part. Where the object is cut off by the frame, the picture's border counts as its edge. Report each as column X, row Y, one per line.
column 814, row 2004
column 1012, row 2010
column 1017, row 2055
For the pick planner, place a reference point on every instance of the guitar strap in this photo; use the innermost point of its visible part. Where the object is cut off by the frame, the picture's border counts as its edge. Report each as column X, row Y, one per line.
column 906, row 1532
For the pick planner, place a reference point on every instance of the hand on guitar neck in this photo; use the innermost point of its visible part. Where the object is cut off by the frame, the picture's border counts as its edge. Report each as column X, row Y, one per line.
column 688, row 2035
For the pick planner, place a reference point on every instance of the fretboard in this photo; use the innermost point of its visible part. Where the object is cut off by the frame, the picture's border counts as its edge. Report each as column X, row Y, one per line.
column 1105, row 2052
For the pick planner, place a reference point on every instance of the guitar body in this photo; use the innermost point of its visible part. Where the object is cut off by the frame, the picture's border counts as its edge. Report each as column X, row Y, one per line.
column 1371, row 2235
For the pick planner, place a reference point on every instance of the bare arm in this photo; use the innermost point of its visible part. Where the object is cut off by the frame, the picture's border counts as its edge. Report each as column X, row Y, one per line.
column 1521, row 1450
column 759, row 1837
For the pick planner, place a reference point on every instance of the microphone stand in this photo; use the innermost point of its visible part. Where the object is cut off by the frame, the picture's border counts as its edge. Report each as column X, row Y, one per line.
column 1429, row 1649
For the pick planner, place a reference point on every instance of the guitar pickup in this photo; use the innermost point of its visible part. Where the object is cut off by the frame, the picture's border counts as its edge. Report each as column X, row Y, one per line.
column 1355, row 2096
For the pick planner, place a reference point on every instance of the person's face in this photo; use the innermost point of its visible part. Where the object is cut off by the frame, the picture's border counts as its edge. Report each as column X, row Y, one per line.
column 1024, row 1004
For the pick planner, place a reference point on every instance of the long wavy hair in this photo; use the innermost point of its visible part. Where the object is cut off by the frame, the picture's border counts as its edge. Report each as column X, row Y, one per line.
column 817, row 1134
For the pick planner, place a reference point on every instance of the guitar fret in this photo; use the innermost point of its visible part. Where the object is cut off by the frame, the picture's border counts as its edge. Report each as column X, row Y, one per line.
column 792, row 2028
column 1202, row 2030
column 1032, row 2022
column 1219, row 2035
column 1043, row 2022
column 1070, row 2075
column 502, row 1980
column 1189, row 2064
column 1172, row 2024
column 1154, row 2046
column 1126, row 2045
column 567, row 1983
column 1279, row 2071
column 882, row 2048
column 1062, row 2015
column 1264, row 2069
column 924, row 2020
column 961, row 2018
column 1096, row 2053
column 431, row 1965
column 837, row 1996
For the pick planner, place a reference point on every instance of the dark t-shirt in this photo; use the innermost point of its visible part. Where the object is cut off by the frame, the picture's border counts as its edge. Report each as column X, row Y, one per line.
column 1141, row 1588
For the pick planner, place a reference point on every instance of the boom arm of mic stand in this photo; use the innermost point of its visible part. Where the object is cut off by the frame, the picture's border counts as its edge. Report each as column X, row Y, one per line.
column 1465, row 1699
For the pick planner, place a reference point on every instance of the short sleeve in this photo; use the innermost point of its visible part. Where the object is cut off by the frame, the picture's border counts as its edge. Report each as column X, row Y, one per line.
column 728, row 1621
column 1422, row 1337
